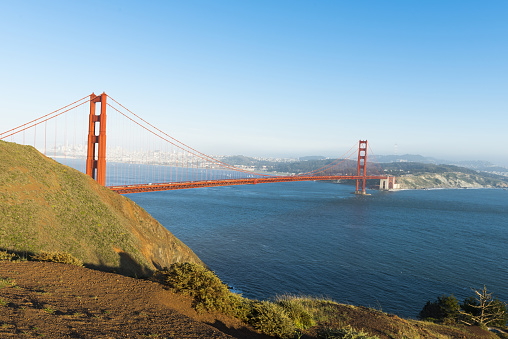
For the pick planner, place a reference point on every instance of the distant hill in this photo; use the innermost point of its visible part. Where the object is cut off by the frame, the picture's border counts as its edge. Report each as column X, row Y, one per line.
column 48, row 206
column 412, row 171
column 483, row 166
column 425, row 175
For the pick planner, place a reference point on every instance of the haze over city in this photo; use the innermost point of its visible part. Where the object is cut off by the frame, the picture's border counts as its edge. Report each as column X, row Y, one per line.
column 273, row 78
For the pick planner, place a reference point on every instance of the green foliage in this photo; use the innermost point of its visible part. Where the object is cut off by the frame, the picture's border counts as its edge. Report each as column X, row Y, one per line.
column 4, row 255
column 7, row 282
column 444, row 309
column 271, row 319
column 344, row 333
column 296, row 310
column 481, row 309
column 60, row 257
column 209, row 292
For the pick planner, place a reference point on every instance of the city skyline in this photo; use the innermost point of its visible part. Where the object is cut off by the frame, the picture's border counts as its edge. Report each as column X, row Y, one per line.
column 281, row 79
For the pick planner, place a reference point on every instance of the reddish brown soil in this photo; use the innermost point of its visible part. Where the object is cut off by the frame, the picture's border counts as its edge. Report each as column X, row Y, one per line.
column 63, row 301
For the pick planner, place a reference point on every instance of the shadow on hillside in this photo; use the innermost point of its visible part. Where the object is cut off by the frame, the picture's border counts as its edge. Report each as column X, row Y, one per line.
column 128, row 266
column 243, row 332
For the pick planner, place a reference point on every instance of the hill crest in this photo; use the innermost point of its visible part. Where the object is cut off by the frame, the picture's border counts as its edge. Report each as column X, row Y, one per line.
column 46, row 206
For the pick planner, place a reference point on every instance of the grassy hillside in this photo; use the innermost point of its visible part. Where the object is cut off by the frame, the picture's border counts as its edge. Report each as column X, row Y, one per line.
column 45, row 206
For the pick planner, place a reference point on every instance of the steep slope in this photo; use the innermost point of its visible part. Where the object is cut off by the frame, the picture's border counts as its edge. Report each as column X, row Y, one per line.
column 46, row 206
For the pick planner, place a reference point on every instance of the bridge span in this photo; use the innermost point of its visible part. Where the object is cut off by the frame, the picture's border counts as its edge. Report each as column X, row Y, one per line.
column 153, row 187
column 174, row 164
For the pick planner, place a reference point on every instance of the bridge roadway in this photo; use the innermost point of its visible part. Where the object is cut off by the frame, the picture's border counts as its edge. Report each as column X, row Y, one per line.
column 125, row 189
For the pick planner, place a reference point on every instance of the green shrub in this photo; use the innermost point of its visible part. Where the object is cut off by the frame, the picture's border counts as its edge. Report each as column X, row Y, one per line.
column 208, row 291
column 344, row 333
column 280, row 319
column 60, row 257
column 4, row 255
column 444, row 309
column 296, row 311
column 271, row 319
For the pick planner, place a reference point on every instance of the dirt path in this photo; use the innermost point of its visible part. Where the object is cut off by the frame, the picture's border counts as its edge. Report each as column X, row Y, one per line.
column 63, row 301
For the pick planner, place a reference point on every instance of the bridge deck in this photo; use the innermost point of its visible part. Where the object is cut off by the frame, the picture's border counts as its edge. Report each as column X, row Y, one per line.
column 230, row 182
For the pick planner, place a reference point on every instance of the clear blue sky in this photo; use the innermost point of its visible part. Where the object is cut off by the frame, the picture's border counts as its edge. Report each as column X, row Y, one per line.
column 274, row 78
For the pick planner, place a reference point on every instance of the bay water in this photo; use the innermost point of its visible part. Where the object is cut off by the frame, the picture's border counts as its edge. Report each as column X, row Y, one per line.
column 392, row 251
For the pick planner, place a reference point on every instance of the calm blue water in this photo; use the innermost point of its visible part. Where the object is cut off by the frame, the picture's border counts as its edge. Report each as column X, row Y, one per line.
column 391, row 250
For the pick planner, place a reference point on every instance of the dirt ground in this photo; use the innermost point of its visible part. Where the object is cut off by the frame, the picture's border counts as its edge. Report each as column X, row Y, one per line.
column 44, row 299
column 51, row 300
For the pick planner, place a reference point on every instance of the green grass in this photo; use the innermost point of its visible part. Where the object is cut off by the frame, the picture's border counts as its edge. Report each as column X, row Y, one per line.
column 344, row 333
column 6, row 282
column 45, row 206
column 49, row 310
column 59, row 257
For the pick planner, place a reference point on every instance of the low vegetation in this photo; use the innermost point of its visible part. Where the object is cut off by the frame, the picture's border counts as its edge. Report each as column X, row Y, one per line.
column 480, row 309
column 295, row 316
column 60, row 257
column 285, row 317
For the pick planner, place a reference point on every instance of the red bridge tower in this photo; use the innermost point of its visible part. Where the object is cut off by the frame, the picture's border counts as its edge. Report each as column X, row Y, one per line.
column 362, row 166
column 96, row 155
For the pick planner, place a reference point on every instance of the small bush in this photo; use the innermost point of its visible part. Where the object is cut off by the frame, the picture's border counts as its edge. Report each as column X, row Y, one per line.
column 344, row 333
column 209, row 292
column 60, row 257
column 271, row 319
column 296, row 311
column 444, row 309
column 4, row 255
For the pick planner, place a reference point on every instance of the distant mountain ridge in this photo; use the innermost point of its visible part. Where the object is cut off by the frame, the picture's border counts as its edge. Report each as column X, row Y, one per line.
column 477, row 165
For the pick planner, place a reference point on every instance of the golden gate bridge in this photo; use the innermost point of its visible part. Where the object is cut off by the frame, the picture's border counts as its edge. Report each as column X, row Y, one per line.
column 142, row 158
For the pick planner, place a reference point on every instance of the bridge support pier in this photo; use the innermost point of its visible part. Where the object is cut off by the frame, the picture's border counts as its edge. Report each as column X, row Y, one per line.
column 96, row 153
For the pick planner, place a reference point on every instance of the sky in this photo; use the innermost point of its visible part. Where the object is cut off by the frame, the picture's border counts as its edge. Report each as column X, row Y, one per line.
column 272, row 77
